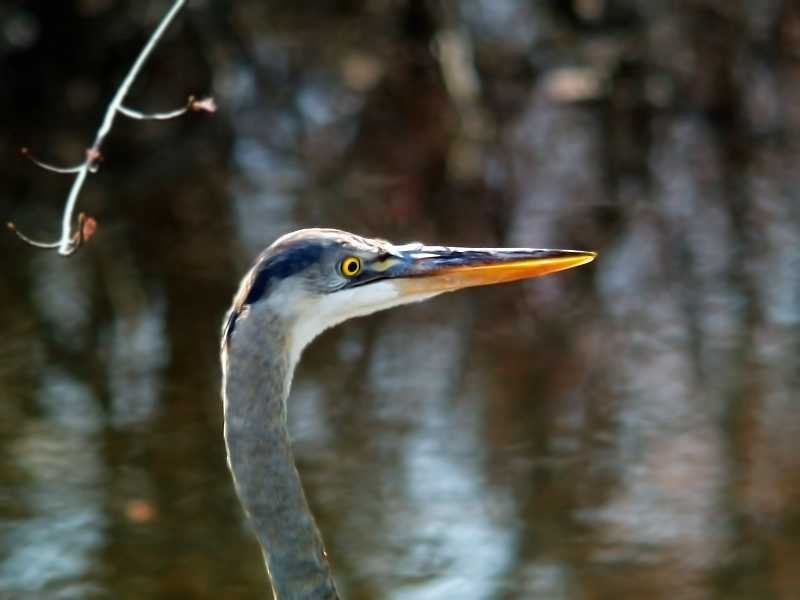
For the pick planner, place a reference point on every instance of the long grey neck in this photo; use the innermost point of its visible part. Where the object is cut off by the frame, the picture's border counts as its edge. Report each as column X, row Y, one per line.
column 257, row 375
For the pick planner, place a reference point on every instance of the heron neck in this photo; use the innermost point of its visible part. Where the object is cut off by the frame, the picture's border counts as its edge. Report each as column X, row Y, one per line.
column 257, row 376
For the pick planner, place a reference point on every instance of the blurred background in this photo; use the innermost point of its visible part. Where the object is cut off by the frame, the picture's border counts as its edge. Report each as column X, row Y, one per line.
column 627, row 430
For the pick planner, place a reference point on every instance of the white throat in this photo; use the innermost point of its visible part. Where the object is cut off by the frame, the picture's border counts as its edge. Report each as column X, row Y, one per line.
column 313, row 315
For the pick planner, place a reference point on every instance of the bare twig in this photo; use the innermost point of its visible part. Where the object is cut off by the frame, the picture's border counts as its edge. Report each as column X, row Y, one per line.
column 193, row 105
column 48, row 167
column 86, row 227
column 165, row 116
column 70, row 241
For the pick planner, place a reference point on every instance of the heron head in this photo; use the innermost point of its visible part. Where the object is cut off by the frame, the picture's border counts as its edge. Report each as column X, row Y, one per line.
column 313, row 279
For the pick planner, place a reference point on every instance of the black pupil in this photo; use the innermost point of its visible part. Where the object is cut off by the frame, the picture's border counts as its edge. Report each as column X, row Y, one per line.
column 351, row 266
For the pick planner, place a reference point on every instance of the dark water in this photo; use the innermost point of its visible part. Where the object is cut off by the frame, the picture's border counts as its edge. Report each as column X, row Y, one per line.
column 628, row 430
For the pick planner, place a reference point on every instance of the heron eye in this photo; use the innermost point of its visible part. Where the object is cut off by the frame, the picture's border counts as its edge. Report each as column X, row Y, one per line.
column 351, row 266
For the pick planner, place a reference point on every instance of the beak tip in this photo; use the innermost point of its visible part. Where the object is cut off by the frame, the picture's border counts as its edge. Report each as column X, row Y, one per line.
column 579, row 258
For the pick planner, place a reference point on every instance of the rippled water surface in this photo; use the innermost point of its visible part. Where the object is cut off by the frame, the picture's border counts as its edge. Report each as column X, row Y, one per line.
column 627, row 430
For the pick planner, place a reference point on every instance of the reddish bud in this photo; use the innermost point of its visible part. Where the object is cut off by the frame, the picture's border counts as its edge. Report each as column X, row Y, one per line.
column 205, row 105
column 88, row 227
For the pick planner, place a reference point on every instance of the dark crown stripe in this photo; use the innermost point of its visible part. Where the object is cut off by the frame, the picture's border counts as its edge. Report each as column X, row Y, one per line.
column 274, row 266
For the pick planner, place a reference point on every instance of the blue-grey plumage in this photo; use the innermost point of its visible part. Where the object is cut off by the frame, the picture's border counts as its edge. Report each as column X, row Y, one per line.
column 304, row 283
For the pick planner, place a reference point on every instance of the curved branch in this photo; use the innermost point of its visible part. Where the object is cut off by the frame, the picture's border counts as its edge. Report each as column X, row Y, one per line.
column 70, row 241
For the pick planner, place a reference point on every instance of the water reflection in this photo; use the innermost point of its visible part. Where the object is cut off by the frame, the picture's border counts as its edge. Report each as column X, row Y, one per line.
column 60, row 524
column 626, row 431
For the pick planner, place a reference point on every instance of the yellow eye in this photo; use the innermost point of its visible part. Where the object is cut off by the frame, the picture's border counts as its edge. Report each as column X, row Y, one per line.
column 351, row 266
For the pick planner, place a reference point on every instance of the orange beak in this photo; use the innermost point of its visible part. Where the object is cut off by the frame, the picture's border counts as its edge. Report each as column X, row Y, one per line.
column 432, row 269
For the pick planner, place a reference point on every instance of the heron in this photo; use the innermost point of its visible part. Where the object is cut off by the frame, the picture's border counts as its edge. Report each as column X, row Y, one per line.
column 301, row 285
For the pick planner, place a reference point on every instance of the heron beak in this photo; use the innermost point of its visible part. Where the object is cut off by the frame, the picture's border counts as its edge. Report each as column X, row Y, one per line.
column 433, row 269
